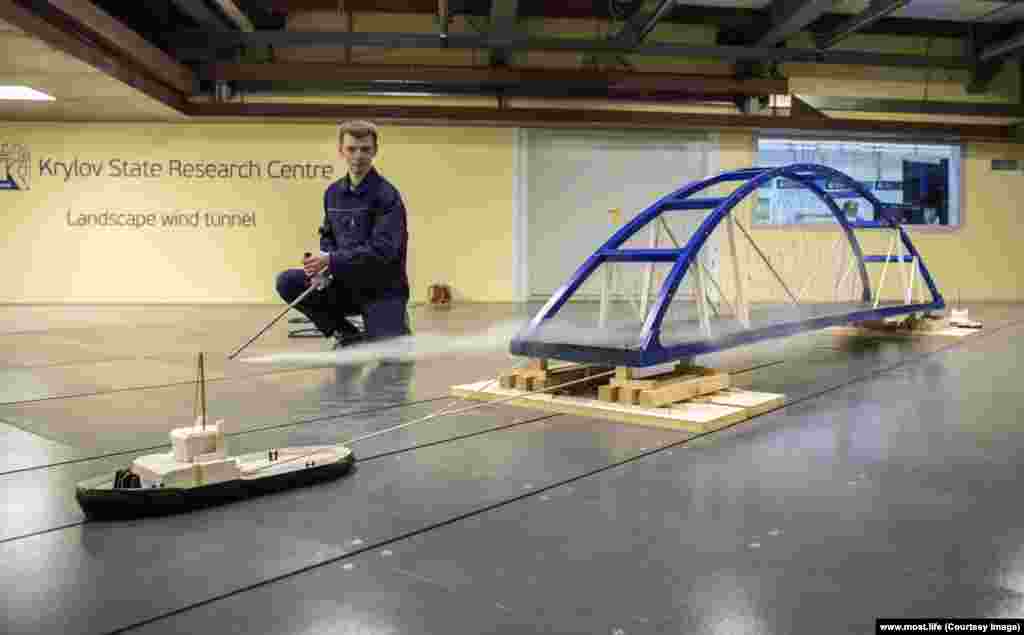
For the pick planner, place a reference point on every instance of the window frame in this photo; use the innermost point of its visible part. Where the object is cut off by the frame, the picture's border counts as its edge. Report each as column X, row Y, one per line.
column 865, row 138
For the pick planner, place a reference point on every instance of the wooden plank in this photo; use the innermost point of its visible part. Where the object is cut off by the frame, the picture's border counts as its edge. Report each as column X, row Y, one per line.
column 708, row 416
column 698, row 384
column 754, row 402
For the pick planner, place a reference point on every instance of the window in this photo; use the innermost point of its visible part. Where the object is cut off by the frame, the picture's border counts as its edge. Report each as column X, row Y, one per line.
column 922, row 181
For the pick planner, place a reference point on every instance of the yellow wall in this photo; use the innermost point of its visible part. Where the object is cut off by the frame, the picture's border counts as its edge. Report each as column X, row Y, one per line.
column 457, row 185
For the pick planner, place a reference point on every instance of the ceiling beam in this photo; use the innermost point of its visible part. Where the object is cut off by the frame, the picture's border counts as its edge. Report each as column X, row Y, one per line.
column 577, row 118
column 503, row 24
column 1006, row 47
column 327, row 71
column 719, row 17
column 800, row 108
column 635, row 29
column 914, row 106
column 874, row 12
column 203, row 16
column 238, row 17
column 197, row 45
column 81, row 14
column 789, row 17
column 74, row 38
column 982, row 72
column 981, row 75
column 326, row 91
column 640, row 24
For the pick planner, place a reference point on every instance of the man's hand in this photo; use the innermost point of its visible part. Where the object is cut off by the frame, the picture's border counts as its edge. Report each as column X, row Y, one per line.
column 314, row 264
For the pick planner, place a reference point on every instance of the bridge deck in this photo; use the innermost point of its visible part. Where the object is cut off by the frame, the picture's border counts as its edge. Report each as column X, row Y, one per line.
column 572, row 336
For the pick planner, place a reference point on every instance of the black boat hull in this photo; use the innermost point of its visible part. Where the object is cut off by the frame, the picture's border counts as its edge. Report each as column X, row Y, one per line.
column 108, row 503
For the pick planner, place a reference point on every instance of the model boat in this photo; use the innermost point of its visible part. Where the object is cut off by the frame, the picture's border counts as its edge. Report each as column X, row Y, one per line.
column 197, row 472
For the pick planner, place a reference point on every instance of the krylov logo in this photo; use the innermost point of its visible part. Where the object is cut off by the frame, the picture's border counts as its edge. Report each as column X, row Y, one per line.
column 15, row 166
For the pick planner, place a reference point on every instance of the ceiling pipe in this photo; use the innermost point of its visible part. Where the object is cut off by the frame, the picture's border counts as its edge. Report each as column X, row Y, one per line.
column 236, row 15
column 877, row 10
column 1006, row 47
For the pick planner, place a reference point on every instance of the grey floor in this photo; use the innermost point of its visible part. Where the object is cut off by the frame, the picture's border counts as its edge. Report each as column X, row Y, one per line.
column 889, row 486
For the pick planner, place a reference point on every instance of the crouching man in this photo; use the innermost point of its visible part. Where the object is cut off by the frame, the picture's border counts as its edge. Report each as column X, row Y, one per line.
column 363, row 245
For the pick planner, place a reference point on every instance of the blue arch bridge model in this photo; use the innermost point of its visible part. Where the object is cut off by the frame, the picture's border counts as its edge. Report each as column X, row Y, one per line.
column 537, row 339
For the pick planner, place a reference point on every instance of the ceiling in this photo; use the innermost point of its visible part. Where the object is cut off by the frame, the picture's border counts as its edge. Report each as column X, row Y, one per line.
column 82, row 92
column 174, row 60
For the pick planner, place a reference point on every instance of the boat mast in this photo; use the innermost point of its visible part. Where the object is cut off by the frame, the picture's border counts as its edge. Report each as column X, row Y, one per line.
column 201, row 392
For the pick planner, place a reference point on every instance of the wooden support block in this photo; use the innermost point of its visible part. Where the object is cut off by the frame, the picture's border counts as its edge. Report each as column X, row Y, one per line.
column 680, row 389
column 608, row 393
column 658, row 379
column 526, row 378
column 572, row 373
column 629, row 394
column 684, row 382
column 686, row 387
column 533, row 377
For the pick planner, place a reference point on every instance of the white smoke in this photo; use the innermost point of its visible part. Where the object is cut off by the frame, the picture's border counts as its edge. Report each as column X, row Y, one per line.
column 408, row 348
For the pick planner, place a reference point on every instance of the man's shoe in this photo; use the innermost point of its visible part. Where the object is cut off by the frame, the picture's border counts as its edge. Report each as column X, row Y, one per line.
column 342, row 340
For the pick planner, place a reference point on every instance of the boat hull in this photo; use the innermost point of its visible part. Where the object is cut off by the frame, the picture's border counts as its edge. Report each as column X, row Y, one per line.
column 100, row 501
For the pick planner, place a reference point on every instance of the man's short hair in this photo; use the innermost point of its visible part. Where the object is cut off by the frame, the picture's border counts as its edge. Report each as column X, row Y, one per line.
column 359, row 130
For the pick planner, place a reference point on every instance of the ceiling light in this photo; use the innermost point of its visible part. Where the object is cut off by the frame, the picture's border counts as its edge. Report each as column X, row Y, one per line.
column 23, row 93
column 386, row 93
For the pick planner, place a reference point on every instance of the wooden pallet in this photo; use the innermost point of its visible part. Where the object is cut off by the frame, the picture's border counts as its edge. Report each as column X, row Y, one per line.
column 704, row 414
